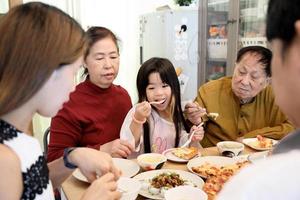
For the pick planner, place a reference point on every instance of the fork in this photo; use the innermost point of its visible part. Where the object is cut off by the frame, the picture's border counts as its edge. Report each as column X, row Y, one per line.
column 191, row 137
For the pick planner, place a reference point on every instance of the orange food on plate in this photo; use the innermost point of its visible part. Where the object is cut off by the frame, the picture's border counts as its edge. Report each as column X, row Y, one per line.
column 185, row 153
column 206, row 170
column 217, row 176
column 264, row 142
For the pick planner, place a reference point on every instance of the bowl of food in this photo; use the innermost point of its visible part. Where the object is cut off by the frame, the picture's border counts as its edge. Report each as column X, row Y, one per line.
column 186, row 193
column 230, row 148
column 151, row 161
column 129, row 188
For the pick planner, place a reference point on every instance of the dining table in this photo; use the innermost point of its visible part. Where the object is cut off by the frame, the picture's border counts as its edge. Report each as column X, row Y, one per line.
column 74, row 188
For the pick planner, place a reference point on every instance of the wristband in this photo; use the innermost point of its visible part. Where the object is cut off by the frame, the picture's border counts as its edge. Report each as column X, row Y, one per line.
column 138, row 121
column 68, row 164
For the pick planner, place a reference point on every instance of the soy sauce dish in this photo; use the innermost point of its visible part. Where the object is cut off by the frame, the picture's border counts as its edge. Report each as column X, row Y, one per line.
column 230, row 148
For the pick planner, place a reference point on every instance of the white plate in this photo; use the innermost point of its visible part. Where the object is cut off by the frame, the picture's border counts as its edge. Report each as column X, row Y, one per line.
column 170, row 156
column 187, row 176
column 129, row 168
column 252, row 141
column 185, row 193
column 214, row 160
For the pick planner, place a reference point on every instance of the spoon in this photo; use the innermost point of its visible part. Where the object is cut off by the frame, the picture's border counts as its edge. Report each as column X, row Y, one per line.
column 229, row 154
column 159, row 166
column 156, row 102
column 190, row 138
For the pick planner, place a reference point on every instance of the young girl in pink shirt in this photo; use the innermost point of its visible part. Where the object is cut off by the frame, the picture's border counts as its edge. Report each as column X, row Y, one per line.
column 156, row 122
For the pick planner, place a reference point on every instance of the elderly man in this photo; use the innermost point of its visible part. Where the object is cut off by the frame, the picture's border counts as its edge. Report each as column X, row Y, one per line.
column 245, row 102
column 278, row 177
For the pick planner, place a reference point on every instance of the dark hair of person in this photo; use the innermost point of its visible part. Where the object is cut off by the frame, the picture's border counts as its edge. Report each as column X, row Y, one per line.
column 168, row 75
column 281, row 18
column 264, row 53
column 35, row 40
column 94, row 34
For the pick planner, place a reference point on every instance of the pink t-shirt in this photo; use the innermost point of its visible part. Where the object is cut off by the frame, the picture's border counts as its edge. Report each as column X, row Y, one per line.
column 162, row 133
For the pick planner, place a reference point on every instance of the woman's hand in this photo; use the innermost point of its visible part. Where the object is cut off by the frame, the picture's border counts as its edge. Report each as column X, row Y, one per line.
column 199, row 133
column 104, row 188
column 118, row 148
column 194, row 112
column 93, row 163
column 142, row 111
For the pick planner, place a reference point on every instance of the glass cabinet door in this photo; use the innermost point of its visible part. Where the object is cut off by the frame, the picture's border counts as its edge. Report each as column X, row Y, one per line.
column 217, row 20
column 252, row 24
column 230, row 25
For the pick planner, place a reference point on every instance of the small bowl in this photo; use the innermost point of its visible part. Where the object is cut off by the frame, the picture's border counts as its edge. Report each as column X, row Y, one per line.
column 255, row 157
column 226, row 147
column 129, row 188
column 151, row 161
column 186, row 193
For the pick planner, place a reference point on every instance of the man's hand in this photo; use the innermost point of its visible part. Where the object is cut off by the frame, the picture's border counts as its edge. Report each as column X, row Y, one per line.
column 194, row 112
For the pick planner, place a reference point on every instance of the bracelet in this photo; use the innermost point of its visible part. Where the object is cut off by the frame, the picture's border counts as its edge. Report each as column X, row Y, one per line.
column 138, row 121
column 67, row 163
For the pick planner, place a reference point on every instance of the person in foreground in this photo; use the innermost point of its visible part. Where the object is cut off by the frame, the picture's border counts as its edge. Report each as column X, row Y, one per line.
column 157, row 122
column 245, row 103
column 97, row 108
column 278, row 176
column 40, row 52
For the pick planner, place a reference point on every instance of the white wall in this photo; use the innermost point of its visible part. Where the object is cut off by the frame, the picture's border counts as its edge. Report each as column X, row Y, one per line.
column 121, row 16
column 4, row 6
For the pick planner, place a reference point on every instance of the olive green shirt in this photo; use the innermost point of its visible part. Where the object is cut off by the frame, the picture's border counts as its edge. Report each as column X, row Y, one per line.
column 259, row 117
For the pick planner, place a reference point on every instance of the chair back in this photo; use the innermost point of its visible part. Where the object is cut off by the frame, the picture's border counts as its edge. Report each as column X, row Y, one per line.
column 46, row 138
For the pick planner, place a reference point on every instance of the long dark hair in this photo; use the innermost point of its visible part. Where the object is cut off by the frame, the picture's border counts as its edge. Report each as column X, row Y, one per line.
column 168, row 75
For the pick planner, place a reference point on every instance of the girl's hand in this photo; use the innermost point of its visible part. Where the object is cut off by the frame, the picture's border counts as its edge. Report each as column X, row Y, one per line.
column 142, row 111
column 104, row 188
column 199, row 133
column 194, row 112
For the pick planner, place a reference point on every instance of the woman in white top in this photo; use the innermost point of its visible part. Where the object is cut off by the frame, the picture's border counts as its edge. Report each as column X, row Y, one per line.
column 157, row 121
column 40, row 52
